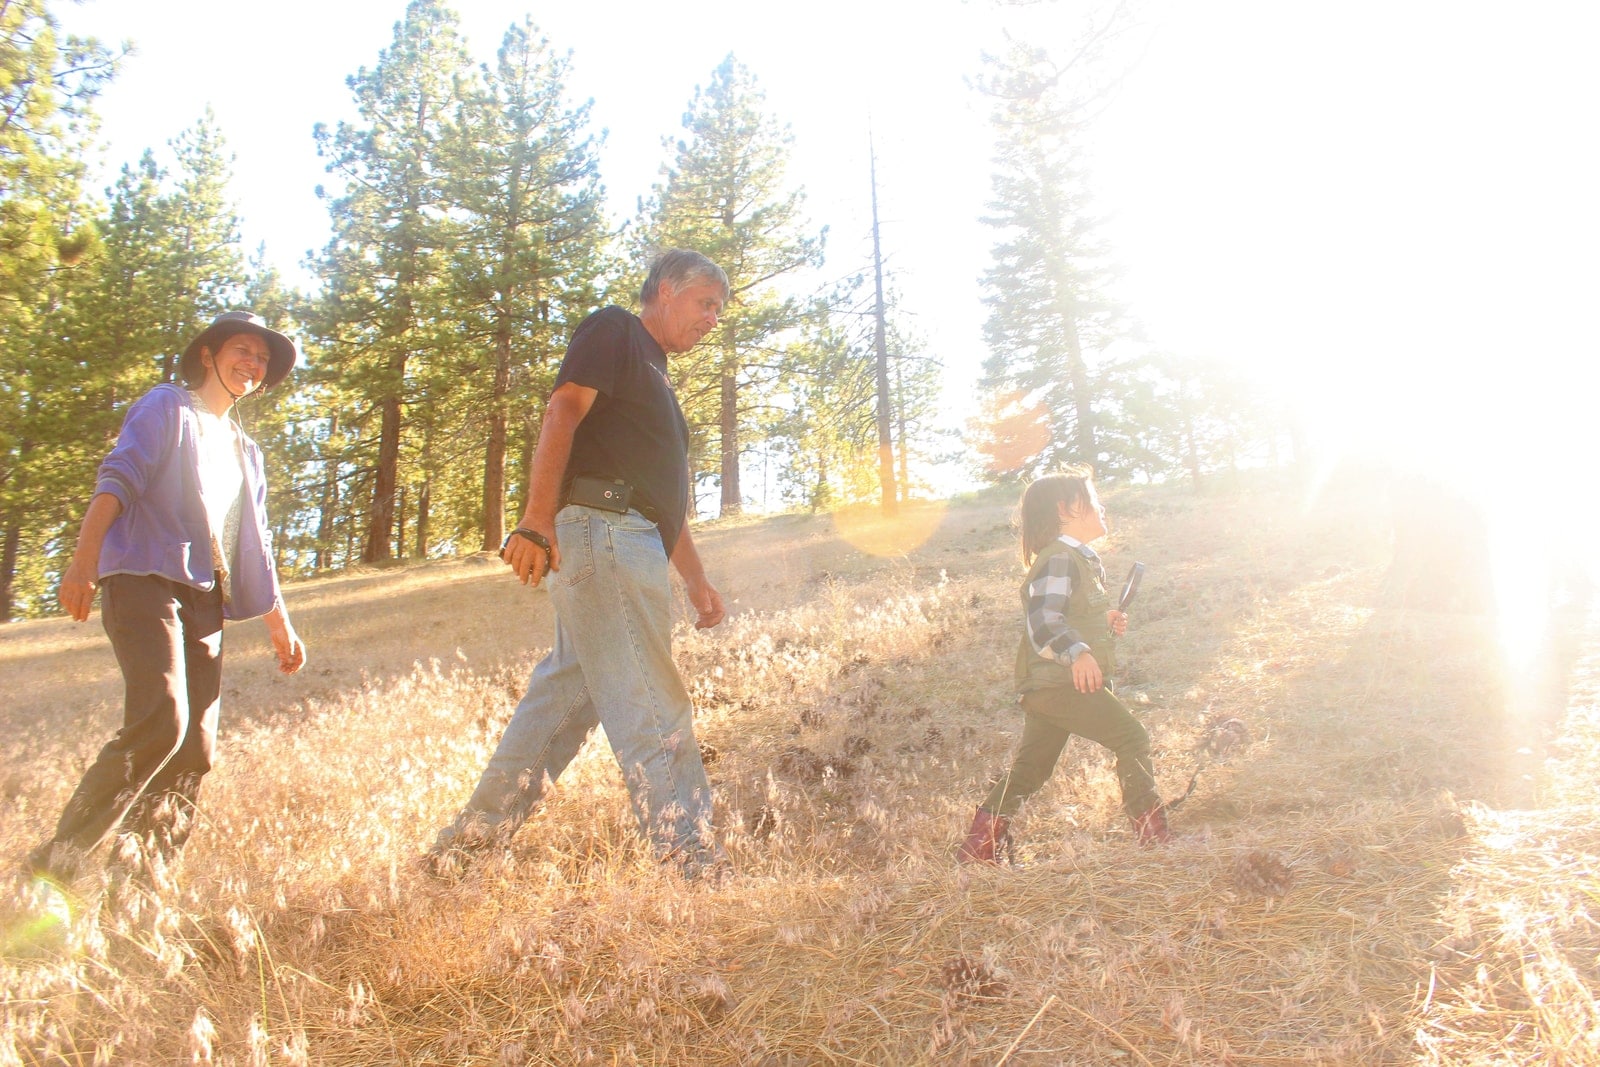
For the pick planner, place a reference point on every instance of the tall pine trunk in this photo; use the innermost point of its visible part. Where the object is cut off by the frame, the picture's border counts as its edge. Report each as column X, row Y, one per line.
column 494, row 460
column 400, row 522
column 380, row 531
column 728, row 422
column 13, row 541
column 1078, row 375
column 880, row 349
column 380, row 527
column 8, row 570
column 904, row 484
column 329, row 508
column 530, row 445
column 424, row 513
column 1191, row 450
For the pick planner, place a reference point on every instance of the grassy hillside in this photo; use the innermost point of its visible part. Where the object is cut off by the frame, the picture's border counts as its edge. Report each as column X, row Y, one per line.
column 1396, row 864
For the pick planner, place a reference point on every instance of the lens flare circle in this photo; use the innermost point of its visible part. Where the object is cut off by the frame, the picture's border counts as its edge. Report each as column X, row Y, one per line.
column 44, row 923
column 865, row 527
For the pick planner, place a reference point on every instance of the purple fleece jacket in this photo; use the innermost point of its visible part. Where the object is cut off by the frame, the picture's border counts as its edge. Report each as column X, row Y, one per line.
column 154, row 471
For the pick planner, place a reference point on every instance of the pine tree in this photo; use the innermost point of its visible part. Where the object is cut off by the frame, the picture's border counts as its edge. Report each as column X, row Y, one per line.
column 1212, row 419
column 171, row 263
column 1047, row 309
column 47, row 246
column 384, row 271
column 917, row 377
column 830, row 433
column 827, row 433
column 52, row 434
column 725, row 197
column 1137, row 421
column 529, row 257
column 47, row 85
column 880, row 351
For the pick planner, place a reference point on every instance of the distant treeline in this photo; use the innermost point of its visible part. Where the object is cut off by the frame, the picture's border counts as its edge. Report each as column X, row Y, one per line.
column 468, row 238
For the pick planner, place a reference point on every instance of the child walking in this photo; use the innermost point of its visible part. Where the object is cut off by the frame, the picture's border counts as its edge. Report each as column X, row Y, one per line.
column 1065, row 662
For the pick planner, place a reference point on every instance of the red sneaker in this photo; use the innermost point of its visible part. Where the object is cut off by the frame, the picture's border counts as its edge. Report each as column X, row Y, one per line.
column 987, row 838
column 1151, row 827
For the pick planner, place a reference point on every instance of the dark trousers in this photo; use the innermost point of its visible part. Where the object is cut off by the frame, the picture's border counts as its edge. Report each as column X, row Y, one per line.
column 1052, row 716
column 168, row 640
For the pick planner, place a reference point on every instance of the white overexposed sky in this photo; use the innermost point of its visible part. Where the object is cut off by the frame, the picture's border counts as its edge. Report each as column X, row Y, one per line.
column 1384, row 210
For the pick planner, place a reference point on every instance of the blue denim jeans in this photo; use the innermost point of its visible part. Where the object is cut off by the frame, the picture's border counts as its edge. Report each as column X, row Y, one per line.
column 611, row 665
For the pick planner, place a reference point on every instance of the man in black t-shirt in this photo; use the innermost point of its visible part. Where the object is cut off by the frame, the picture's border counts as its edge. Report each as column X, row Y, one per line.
column 607, row 510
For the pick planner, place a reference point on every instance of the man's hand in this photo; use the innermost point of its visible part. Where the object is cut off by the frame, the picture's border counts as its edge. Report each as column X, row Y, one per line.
column 1118, row 621
column 528, row 559
column 77, row 591
column 1086, row 676
column 702, row 594
column 569, row 405
column 707, row 605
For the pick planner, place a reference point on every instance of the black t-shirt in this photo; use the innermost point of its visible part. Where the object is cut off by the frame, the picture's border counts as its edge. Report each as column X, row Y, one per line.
column 635, row 430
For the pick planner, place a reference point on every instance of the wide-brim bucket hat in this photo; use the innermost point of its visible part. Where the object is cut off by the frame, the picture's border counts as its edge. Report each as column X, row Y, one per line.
column 284, row 353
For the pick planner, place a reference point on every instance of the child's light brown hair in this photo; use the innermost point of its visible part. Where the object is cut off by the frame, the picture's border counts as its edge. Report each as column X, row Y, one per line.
column 1040, row 517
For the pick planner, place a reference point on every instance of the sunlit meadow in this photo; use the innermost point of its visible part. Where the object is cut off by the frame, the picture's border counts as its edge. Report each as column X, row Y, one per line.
column 1390, row 856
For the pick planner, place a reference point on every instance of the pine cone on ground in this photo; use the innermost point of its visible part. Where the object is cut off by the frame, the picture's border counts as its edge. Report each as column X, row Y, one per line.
column 1223, row 738
column 966, row 979
column 856, row 745
column 763, row 822
column 1262, row 874
column 796, row 761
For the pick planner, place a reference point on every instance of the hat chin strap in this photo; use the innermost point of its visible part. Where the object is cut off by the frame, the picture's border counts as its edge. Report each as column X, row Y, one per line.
column 235, row 397
column 233, row 409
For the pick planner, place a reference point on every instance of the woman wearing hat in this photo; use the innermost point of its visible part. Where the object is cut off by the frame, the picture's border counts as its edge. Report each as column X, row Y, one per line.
column 176, row 539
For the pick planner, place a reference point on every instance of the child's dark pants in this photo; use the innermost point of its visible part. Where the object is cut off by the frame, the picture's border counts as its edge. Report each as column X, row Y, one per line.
column 1052, row 716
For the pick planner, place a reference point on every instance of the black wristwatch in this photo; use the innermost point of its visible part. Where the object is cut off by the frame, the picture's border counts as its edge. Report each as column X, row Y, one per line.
column 533, row 535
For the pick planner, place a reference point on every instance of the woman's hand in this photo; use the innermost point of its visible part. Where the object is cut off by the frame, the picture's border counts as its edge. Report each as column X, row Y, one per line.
column 82, row 576
column 290, row 649
column 78, row 586
column 285, row 642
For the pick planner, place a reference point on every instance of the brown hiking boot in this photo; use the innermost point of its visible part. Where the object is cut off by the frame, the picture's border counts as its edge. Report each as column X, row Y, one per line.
column 988, row 839
column 55, row 860
column 1151, row 827
column 448, row 865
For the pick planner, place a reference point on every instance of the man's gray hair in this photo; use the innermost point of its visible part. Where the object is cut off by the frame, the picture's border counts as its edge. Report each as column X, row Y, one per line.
column 679, row 268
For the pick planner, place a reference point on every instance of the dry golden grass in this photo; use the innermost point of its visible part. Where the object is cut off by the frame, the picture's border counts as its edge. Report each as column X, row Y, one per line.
column 1395, row 864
